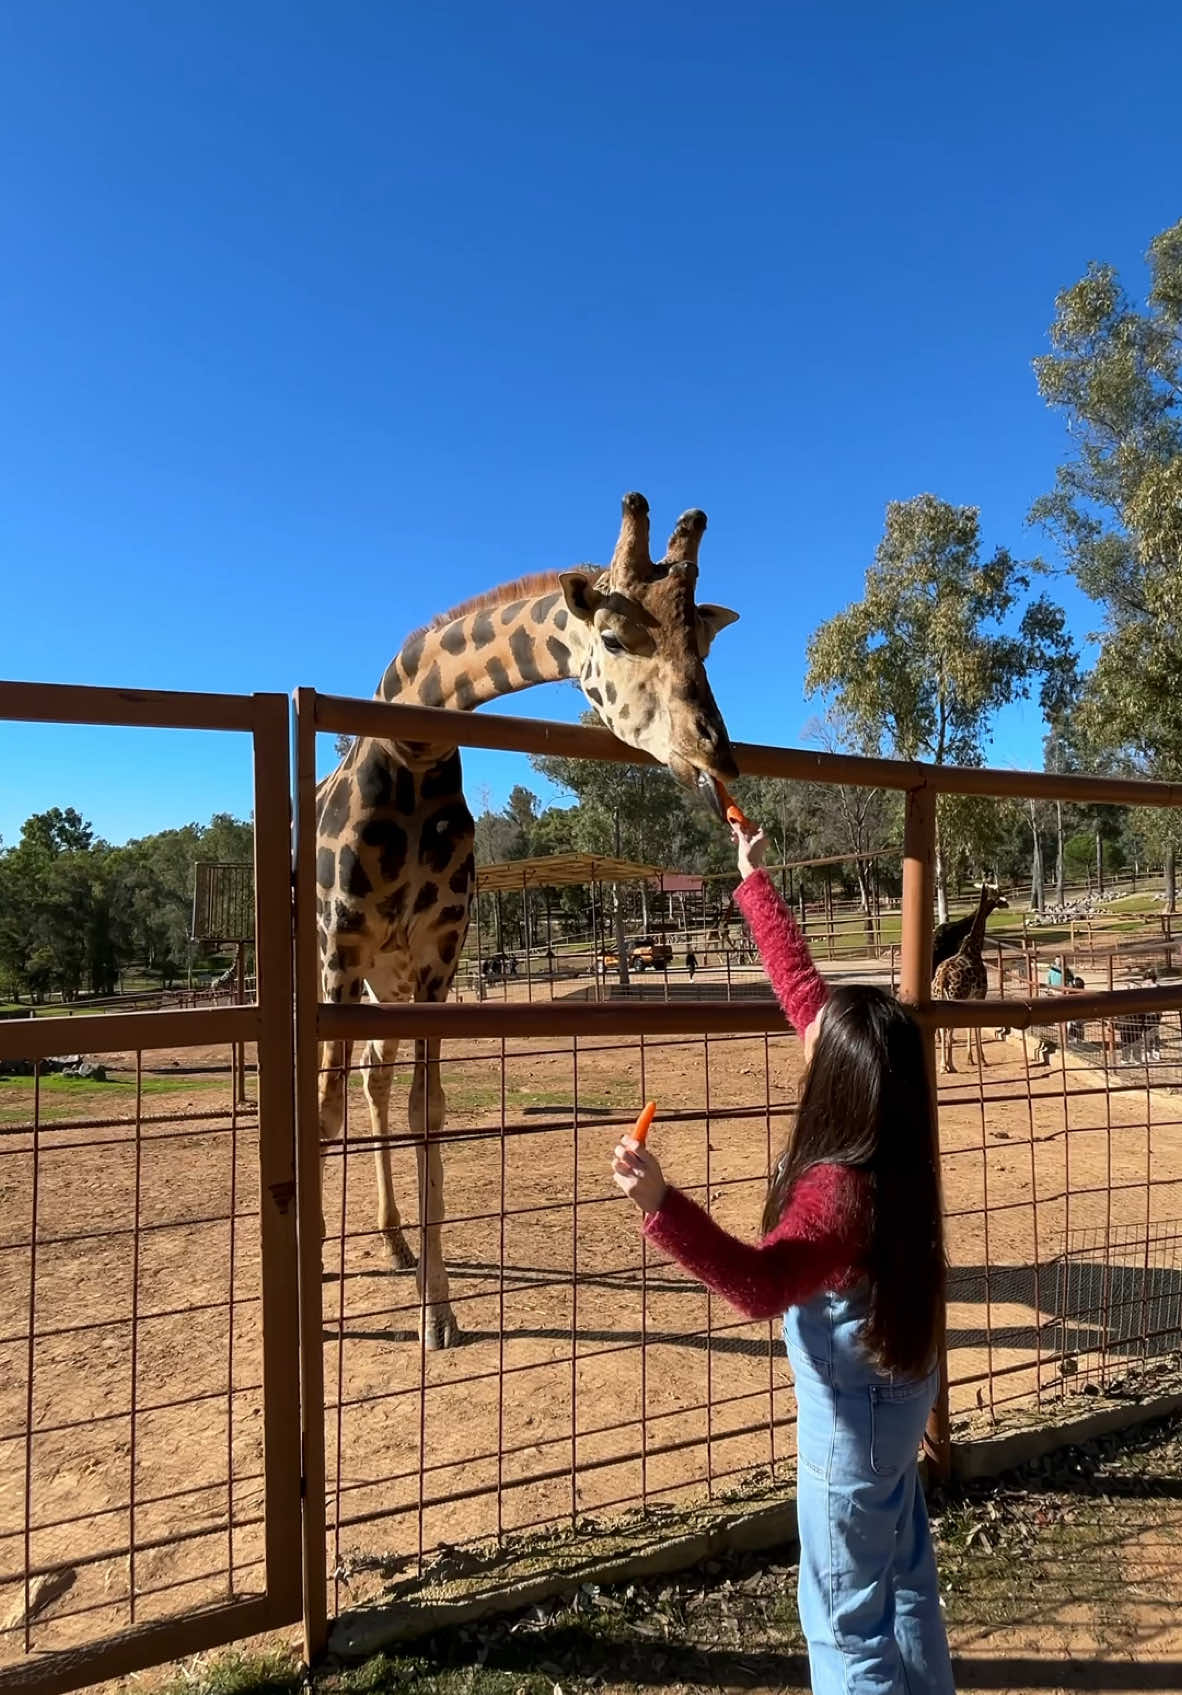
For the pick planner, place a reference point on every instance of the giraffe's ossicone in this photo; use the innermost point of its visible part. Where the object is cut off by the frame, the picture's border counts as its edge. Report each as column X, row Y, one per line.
column 395, row 868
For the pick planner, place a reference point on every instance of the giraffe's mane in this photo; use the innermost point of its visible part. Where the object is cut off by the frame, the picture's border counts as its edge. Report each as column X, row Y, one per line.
column 521, row 588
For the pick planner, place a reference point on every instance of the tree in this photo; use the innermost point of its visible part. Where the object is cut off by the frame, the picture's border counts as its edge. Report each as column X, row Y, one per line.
column 921, row 664
column 74, row 911
column 847, row 817
column 1115, row 372
column 637, row 811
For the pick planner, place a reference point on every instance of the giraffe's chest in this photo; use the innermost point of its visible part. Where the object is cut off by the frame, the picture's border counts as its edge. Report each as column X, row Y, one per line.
column 395, row 845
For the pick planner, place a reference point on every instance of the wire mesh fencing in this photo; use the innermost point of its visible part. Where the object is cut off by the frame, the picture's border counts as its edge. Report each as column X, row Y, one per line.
column 131, row 1406
column 593, row 1377
column 1062, row 1174
column 149, row 1425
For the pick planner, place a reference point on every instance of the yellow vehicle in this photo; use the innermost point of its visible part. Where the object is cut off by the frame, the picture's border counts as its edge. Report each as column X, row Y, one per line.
column 644, row 952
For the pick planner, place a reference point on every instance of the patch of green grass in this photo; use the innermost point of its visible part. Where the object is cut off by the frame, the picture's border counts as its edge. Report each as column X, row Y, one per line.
column 236, row 1673
column 21, row 1009
column 68, row 1097
column 486, row 1097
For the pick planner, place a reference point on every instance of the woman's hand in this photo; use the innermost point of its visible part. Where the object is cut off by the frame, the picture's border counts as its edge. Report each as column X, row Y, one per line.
column 751, row 850
column 638, row 1175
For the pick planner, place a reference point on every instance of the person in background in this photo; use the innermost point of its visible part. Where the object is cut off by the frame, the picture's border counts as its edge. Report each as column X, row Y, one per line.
column 691, row 962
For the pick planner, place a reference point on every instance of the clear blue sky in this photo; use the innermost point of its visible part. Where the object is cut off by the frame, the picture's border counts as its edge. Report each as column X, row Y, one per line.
column 318, row 317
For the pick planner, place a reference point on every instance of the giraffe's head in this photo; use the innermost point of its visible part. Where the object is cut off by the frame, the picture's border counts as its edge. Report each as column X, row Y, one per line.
column 640, row 644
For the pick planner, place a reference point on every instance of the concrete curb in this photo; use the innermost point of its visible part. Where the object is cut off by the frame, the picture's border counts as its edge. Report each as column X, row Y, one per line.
column 990, row 1456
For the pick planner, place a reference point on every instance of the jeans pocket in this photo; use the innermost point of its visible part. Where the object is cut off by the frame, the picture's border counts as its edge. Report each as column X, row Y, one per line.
column 898, row 1414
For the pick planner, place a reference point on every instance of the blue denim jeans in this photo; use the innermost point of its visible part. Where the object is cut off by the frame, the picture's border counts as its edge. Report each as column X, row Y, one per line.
column 869, row 1600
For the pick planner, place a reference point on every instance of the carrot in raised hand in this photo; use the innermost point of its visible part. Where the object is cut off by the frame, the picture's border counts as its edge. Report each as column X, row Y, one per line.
column 732, row 810
column 642, row 1123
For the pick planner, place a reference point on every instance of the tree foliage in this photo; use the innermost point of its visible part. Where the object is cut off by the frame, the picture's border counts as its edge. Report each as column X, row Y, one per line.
column 1115, row 372
column 923, row 661
column 940, row 641
column 76, row 913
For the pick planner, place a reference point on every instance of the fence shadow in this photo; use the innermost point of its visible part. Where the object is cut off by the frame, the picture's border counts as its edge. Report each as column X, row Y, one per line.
column 1085, row 1306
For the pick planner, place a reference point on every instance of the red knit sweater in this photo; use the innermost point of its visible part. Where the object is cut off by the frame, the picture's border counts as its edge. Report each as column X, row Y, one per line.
column 818, row 1244
column 800, row 988
column 820, row 1241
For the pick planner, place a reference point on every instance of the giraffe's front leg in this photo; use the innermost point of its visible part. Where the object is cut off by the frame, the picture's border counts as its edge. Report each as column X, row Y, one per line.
column 377, row 1077
column 342, row 986
column 426, row 1110
column 335, row 1058
column 947, row 1034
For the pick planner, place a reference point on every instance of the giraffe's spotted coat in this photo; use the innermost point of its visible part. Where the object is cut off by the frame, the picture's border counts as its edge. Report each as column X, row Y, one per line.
column 395, row 864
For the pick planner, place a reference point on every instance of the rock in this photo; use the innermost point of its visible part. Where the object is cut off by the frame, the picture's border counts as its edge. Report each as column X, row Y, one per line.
column 43, row 1592
column 86, row 1068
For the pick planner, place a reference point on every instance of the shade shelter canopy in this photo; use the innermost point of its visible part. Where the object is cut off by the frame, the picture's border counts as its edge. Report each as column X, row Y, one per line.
column 558, row 870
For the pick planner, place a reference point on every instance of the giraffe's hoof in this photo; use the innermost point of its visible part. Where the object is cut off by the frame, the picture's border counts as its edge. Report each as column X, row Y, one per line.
column 398, row 1250
column 440, row 1330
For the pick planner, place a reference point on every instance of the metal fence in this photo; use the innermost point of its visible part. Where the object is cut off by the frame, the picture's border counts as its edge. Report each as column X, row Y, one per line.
column 593, row 1378
column 149, row 1247
column 150, row 1469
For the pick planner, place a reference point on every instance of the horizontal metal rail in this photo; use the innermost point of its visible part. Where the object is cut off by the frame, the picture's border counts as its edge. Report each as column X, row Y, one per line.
column 589, row 1019
column 442, row 727
column 156, row 709
column 371, row 1021
column 120, row 1032
column 134, row 1650
column 1048, row 1009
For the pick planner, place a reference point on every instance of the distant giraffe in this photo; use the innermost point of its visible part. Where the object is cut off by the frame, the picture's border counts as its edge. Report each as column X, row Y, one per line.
column 962, row 977
column 394, row 863
column 947, row 938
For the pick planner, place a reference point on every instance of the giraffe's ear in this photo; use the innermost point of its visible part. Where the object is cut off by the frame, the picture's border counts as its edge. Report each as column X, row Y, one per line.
column 581, row 596
column 711, row 619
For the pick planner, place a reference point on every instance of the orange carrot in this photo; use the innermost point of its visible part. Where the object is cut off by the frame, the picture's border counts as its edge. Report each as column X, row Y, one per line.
column 733, row 811
column 643, row 1122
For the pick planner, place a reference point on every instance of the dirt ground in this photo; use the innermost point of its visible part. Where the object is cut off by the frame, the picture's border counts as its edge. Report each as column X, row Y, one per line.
column 591, row 1376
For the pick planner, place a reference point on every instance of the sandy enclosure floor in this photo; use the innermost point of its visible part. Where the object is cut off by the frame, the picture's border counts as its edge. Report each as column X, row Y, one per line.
column 591, row 1376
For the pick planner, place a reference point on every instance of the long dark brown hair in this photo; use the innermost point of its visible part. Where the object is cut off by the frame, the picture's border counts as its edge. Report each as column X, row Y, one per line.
column 867, row 1102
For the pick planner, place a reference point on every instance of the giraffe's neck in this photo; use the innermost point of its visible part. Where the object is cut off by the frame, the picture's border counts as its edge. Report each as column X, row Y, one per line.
column 486, row 652
column 977, row 933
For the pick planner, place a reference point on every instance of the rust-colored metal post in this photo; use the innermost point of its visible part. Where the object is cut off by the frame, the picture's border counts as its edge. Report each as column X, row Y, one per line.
column 915, row 984
column 308, row 1202
column 277, row 1211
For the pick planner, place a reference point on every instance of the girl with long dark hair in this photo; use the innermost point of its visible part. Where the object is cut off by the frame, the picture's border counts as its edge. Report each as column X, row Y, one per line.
column 852, row 1253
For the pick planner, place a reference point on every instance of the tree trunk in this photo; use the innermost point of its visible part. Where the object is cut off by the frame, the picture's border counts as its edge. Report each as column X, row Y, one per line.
column 1060, row 891
column 862, row 866
column 1171, row 890
column 941, row 883
column 1099, row 863
column 1036, row 889
column 621, row 949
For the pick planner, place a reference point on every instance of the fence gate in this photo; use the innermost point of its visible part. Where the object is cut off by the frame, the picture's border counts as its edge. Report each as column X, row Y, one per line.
column 149, row 1383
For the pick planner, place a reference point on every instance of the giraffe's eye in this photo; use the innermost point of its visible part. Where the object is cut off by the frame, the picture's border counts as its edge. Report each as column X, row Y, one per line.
column 612, row 644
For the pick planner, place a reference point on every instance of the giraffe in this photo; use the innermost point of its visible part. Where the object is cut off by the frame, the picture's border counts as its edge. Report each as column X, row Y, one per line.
column 962, row 977
column 395, row 868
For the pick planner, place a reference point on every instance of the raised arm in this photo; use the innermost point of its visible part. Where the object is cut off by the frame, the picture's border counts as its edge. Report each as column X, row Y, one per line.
column 799, row 986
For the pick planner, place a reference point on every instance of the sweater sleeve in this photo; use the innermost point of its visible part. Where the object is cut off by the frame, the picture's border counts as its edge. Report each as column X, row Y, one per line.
column 818, row 1244
column 799, row 986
